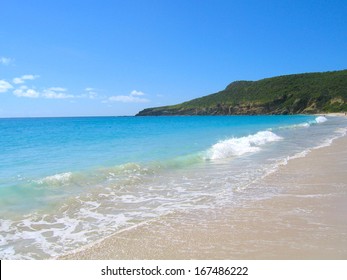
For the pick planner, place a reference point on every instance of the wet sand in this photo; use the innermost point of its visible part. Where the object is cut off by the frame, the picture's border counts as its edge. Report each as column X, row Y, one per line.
column 305, row 219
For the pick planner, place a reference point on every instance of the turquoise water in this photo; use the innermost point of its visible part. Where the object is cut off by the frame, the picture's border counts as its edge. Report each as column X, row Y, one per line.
column 65, row 182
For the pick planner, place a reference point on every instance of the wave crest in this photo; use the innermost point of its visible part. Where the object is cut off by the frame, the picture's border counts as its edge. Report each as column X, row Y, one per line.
column 321, row 119
column 239, row 146
column 56, row 179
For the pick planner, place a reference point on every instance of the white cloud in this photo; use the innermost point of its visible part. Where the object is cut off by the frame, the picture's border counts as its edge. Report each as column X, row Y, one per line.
column 24, row 91
column 136, row 93
column 56, row 93
column 92, row 94
column 21, row 80
column 57, row 89
column 133, row 97
column 127, row 99
column 50, row 93
column 5, row 60
column 5, row 86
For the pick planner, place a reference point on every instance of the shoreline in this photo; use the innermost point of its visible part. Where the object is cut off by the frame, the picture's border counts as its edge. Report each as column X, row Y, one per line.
column 332, row 114
column 305, row 220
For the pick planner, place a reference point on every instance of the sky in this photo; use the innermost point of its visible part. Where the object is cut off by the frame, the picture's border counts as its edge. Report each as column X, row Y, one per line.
column 114, row 58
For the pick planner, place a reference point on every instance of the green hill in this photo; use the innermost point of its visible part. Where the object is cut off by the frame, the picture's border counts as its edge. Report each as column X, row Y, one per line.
column 291, row 94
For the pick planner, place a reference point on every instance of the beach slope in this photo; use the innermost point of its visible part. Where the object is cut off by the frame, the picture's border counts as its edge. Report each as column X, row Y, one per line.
column 305, row 219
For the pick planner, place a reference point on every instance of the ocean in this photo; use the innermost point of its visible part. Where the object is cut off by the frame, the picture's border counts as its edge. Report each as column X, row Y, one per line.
column 68, row 182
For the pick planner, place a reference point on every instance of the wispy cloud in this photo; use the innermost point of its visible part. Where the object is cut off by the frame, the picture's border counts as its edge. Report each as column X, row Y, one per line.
column 56, row 93
column 20, row 89
column 22, row 79
column 5, row 60
column 4, row 86
column 91, row 93
column 24, row 91
column 50, row 93
column 133, row 97
column 57, row 89
column 136, row 93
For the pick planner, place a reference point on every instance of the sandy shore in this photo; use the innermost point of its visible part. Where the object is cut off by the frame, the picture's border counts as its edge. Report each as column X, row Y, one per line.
column 306, row 219
column 333, row 114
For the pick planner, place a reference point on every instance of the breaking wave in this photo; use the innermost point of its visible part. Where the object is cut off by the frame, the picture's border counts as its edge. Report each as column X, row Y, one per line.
column 321, row 119
column 56, row 179
column 238, row 146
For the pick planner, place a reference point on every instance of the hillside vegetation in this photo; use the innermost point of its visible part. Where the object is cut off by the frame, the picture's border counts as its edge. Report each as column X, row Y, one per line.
column 291, row 94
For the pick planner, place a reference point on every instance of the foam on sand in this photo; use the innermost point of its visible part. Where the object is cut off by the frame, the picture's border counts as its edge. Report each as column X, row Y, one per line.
column 294, row 224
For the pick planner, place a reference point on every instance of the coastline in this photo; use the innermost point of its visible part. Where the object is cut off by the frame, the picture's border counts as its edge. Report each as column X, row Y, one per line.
column 304, row 220
column 332, row 114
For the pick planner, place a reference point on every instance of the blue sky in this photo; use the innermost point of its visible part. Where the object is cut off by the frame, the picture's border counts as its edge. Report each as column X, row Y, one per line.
column 92, row 57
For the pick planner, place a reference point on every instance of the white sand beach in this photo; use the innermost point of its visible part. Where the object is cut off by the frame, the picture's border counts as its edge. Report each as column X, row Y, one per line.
column 305, row 220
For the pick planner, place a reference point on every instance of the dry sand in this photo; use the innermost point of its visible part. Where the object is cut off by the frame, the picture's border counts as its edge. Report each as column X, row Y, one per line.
column 307, row 219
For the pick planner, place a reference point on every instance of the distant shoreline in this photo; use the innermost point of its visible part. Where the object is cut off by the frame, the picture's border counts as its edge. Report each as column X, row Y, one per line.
column 332, row 114
column 304, row 93
column 336, row 114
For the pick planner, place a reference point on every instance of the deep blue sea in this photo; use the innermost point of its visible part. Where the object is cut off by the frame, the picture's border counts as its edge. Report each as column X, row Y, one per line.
column 66, row 182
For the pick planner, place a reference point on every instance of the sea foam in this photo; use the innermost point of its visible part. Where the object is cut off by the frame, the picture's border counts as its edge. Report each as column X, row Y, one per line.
column 239, row 146
column 321, row 119
column 60, row 178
